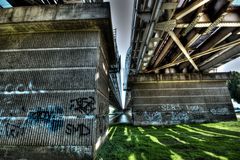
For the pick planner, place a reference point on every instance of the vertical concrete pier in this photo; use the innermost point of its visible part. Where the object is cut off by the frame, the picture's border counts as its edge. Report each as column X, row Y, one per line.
column 165, row 99
column 54, row 63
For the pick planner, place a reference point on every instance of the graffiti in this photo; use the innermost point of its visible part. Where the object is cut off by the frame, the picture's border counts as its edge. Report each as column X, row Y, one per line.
column 220, row 111
column 194, row 108
column 83, row 105
column 177, row 107
column 80, row 129
column 181, row 116
column 19, row 89
column 153, row 116
column 52, row 117
column 157, row 117
column 14, row 130
column 168, row 107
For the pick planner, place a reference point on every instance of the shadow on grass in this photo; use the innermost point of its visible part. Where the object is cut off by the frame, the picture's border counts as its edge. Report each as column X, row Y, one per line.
column 217, row 130
column 198, row 141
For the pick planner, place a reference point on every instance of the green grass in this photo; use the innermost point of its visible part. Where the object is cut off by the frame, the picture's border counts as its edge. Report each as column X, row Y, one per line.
column 198, row 141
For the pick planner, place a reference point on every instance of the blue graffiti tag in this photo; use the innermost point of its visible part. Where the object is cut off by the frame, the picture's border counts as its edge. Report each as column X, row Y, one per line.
column 51, row 117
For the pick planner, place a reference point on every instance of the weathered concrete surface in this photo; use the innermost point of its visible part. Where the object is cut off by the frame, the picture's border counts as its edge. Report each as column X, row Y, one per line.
column 180, row 98
column 55, row 130
column 54, row 63
column 55, row 13
column 59, row 18
column 45, row 153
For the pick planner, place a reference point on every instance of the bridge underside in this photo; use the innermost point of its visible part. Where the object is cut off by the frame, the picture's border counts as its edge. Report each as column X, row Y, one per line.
column 183, row 36
column 173, row 43
column 161, row 99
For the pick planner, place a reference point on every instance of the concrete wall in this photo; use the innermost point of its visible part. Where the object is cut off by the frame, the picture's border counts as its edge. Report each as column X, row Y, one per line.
column 180, row 98
column 53, row 90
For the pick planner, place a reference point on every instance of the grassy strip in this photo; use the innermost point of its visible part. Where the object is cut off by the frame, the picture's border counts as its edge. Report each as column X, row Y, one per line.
column 198, row 141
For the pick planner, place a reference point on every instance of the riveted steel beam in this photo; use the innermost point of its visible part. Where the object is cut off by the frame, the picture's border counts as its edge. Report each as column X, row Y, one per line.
column 192, row 24
column 208, row 30
column 207, row 24
column 182, row 48
column 214, row 24
column 165, row 50
column 216, row 55
column 166, row 26
column 148, row 33
column 169, row 5
column 195, row 5
column 198, row 55
column 222, row 57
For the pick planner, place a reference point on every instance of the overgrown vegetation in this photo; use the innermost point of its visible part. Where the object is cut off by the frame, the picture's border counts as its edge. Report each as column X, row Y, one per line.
column 189, row 142
column 234, row 86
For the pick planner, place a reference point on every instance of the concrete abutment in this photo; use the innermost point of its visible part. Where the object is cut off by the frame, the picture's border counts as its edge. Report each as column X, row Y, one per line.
column 54, row 68
column 180, row 98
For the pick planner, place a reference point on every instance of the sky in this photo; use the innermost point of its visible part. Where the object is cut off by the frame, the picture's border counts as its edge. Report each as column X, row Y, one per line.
column 5, row 4
column 230, row 66
column 122, row 11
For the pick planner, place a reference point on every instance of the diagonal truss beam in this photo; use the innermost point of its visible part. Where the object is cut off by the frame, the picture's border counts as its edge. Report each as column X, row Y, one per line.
column 198, row 55
column 222, row 57
column 165, row 50
column 182, row 48
column 209, row 28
